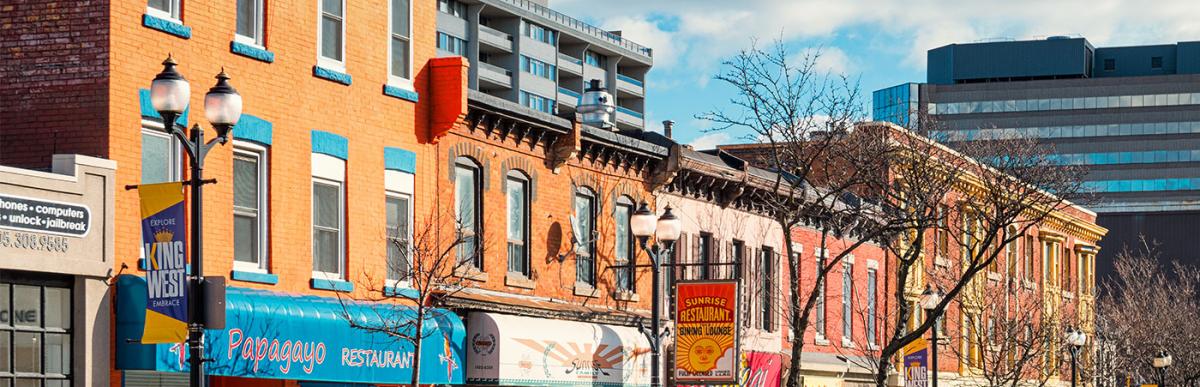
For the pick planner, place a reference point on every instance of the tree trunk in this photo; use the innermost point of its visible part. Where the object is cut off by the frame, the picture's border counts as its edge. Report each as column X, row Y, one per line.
column 417, row 345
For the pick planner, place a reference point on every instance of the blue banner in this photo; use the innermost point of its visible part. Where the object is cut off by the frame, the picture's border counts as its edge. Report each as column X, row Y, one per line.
column 916, row 363
column 299, row 337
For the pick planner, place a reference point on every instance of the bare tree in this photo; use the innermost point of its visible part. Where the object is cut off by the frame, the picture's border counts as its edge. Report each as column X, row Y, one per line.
column 1003, row 187
column 802, row 120
column 423, row 271
column 1151, row 305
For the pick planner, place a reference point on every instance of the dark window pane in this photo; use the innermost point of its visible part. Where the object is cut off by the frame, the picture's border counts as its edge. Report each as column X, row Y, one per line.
column 58, row 354
column 245, row 182
column 27, row 306
column 58, row 308
column 325, row 250
column 325, row 205
column 5, row 296
column 245, row 239
column 161, row 5
column 247, row 14
column 331, row 38
column 400, row 10
column 400, row 57
column 27, row 352
column 333, row 7
column 28, row 383
column 6, row 350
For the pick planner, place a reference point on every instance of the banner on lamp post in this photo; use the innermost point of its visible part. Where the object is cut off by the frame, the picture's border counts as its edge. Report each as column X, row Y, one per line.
column 706, row 332
column 916, row 363
column 163, row 241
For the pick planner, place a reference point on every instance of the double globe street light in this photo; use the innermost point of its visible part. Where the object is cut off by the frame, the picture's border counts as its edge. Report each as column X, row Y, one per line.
column 169, row 94
column 1162, row 361
column 930, row 299
column 1075, row 341
column 665, row 229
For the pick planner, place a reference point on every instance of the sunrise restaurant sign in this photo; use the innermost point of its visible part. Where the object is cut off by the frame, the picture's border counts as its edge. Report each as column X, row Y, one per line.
column 706, row 332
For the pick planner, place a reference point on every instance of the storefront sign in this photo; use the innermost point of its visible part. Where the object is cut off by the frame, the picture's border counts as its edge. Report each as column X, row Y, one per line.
column 706, row 332
column 760, row 369
column 916, row 368
column 276, row 336
column 527, row 351
column 45, row 217
column 163, row 236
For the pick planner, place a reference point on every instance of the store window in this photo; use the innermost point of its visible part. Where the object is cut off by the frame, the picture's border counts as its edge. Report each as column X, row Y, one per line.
column 35, row 332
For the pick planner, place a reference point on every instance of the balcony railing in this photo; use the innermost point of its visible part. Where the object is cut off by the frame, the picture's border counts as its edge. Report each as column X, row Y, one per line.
column 629, row 79
column 626, row 110
column 569, row 92
column 581, row 26
column 568, row 58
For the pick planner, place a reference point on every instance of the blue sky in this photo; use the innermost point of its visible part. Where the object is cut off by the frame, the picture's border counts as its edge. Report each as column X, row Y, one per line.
column 880, row 43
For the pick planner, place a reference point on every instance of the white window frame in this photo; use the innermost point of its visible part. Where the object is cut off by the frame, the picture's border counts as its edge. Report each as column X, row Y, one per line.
column 259, row 25
column 399, row 184
column 476, row 170
column 518, row 177
column 393, row 80
column 249, row 149
column 332, row 171
column 323, row 61
column 624, row 201
column 172, row 14
column 847, row 302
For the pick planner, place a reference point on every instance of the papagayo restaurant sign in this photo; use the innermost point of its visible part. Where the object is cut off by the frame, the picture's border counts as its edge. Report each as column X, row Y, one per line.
column 43, row 216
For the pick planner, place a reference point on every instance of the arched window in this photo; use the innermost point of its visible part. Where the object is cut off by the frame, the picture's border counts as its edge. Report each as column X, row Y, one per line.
column 516, row 191
column 623, row 241
column 584, row 230
column 468, row 210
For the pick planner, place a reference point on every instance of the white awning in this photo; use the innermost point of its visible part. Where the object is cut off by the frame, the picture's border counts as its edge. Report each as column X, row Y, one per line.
column 526, row 351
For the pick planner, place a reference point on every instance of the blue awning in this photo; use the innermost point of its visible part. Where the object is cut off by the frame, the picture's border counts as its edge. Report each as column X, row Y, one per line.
column 297, row 337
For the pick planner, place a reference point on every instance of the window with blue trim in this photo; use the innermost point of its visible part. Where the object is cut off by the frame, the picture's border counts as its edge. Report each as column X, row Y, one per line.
column 250, row 207
column 537, row 102
column 595, row 59
column 249, row 22
column 328, row 217
column 539, row 33
column 539, row 68
column 451, row 44
column 166, row 9
column 453, row 7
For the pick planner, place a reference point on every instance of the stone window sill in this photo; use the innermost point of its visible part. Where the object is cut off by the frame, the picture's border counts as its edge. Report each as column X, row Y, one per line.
column 586, row 290
column 519, row 280
column 251, row 51
column 168, row 26
column 471, row 273
column 625, row 295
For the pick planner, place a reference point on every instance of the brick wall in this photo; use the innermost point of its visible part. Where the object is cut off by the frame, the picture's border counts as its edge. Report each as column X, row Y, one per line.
column 54, row 61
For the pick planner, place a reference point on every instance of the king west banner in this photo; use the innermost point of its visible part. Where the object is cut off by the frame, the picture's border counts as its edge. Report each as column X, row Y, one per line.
column 706, row 332
column 163, row 236
column 916, row 360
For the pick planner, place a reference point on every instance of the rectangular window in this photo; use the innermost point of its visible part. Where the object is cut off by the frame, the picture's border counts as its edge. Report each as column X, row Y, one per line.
column 332, row 33
column 35, row 335
column 249, row 207
column 537, row 102
column 1156, row 62
column 595, row 59
column 942, row 242
column 539, row 68
column 820, row 308
column 327, row 228
column 517, row 197
column 847, row 301
column 400, row 69
column 249, row 22
column 161, row 155
column 1110, row 64
column 467, row 202
column 453, row 7
column 624, row 245
column 1028, row 259
column 539, row 33
column 167, row 9
column 705, row 258
column 585, row 241
column 871, row 290
column 766, row 273
column 399, row 236
column 1011, row 250
column 451, row 44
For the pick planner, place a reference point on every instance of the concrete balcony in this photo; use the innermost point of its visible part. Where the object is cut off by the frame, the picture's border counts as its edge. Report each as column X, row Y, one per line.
column 570, row 64
column 492, row 37
column 629, row 119
column 494, row 76
column 568, row 97
column 628, row 85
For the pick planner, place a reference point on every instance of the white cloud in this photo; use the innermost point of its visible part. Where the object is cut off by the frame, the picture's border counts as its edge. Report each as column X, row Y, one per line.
column 710, row 141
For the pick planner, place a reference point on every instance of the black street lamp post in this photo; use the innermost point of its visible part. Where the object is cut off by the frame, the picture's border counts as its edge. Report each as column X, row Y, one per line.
column 1162, row 361
column 929, row 301
column 1075, row 341
column 169, row 93
column 665, row 229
